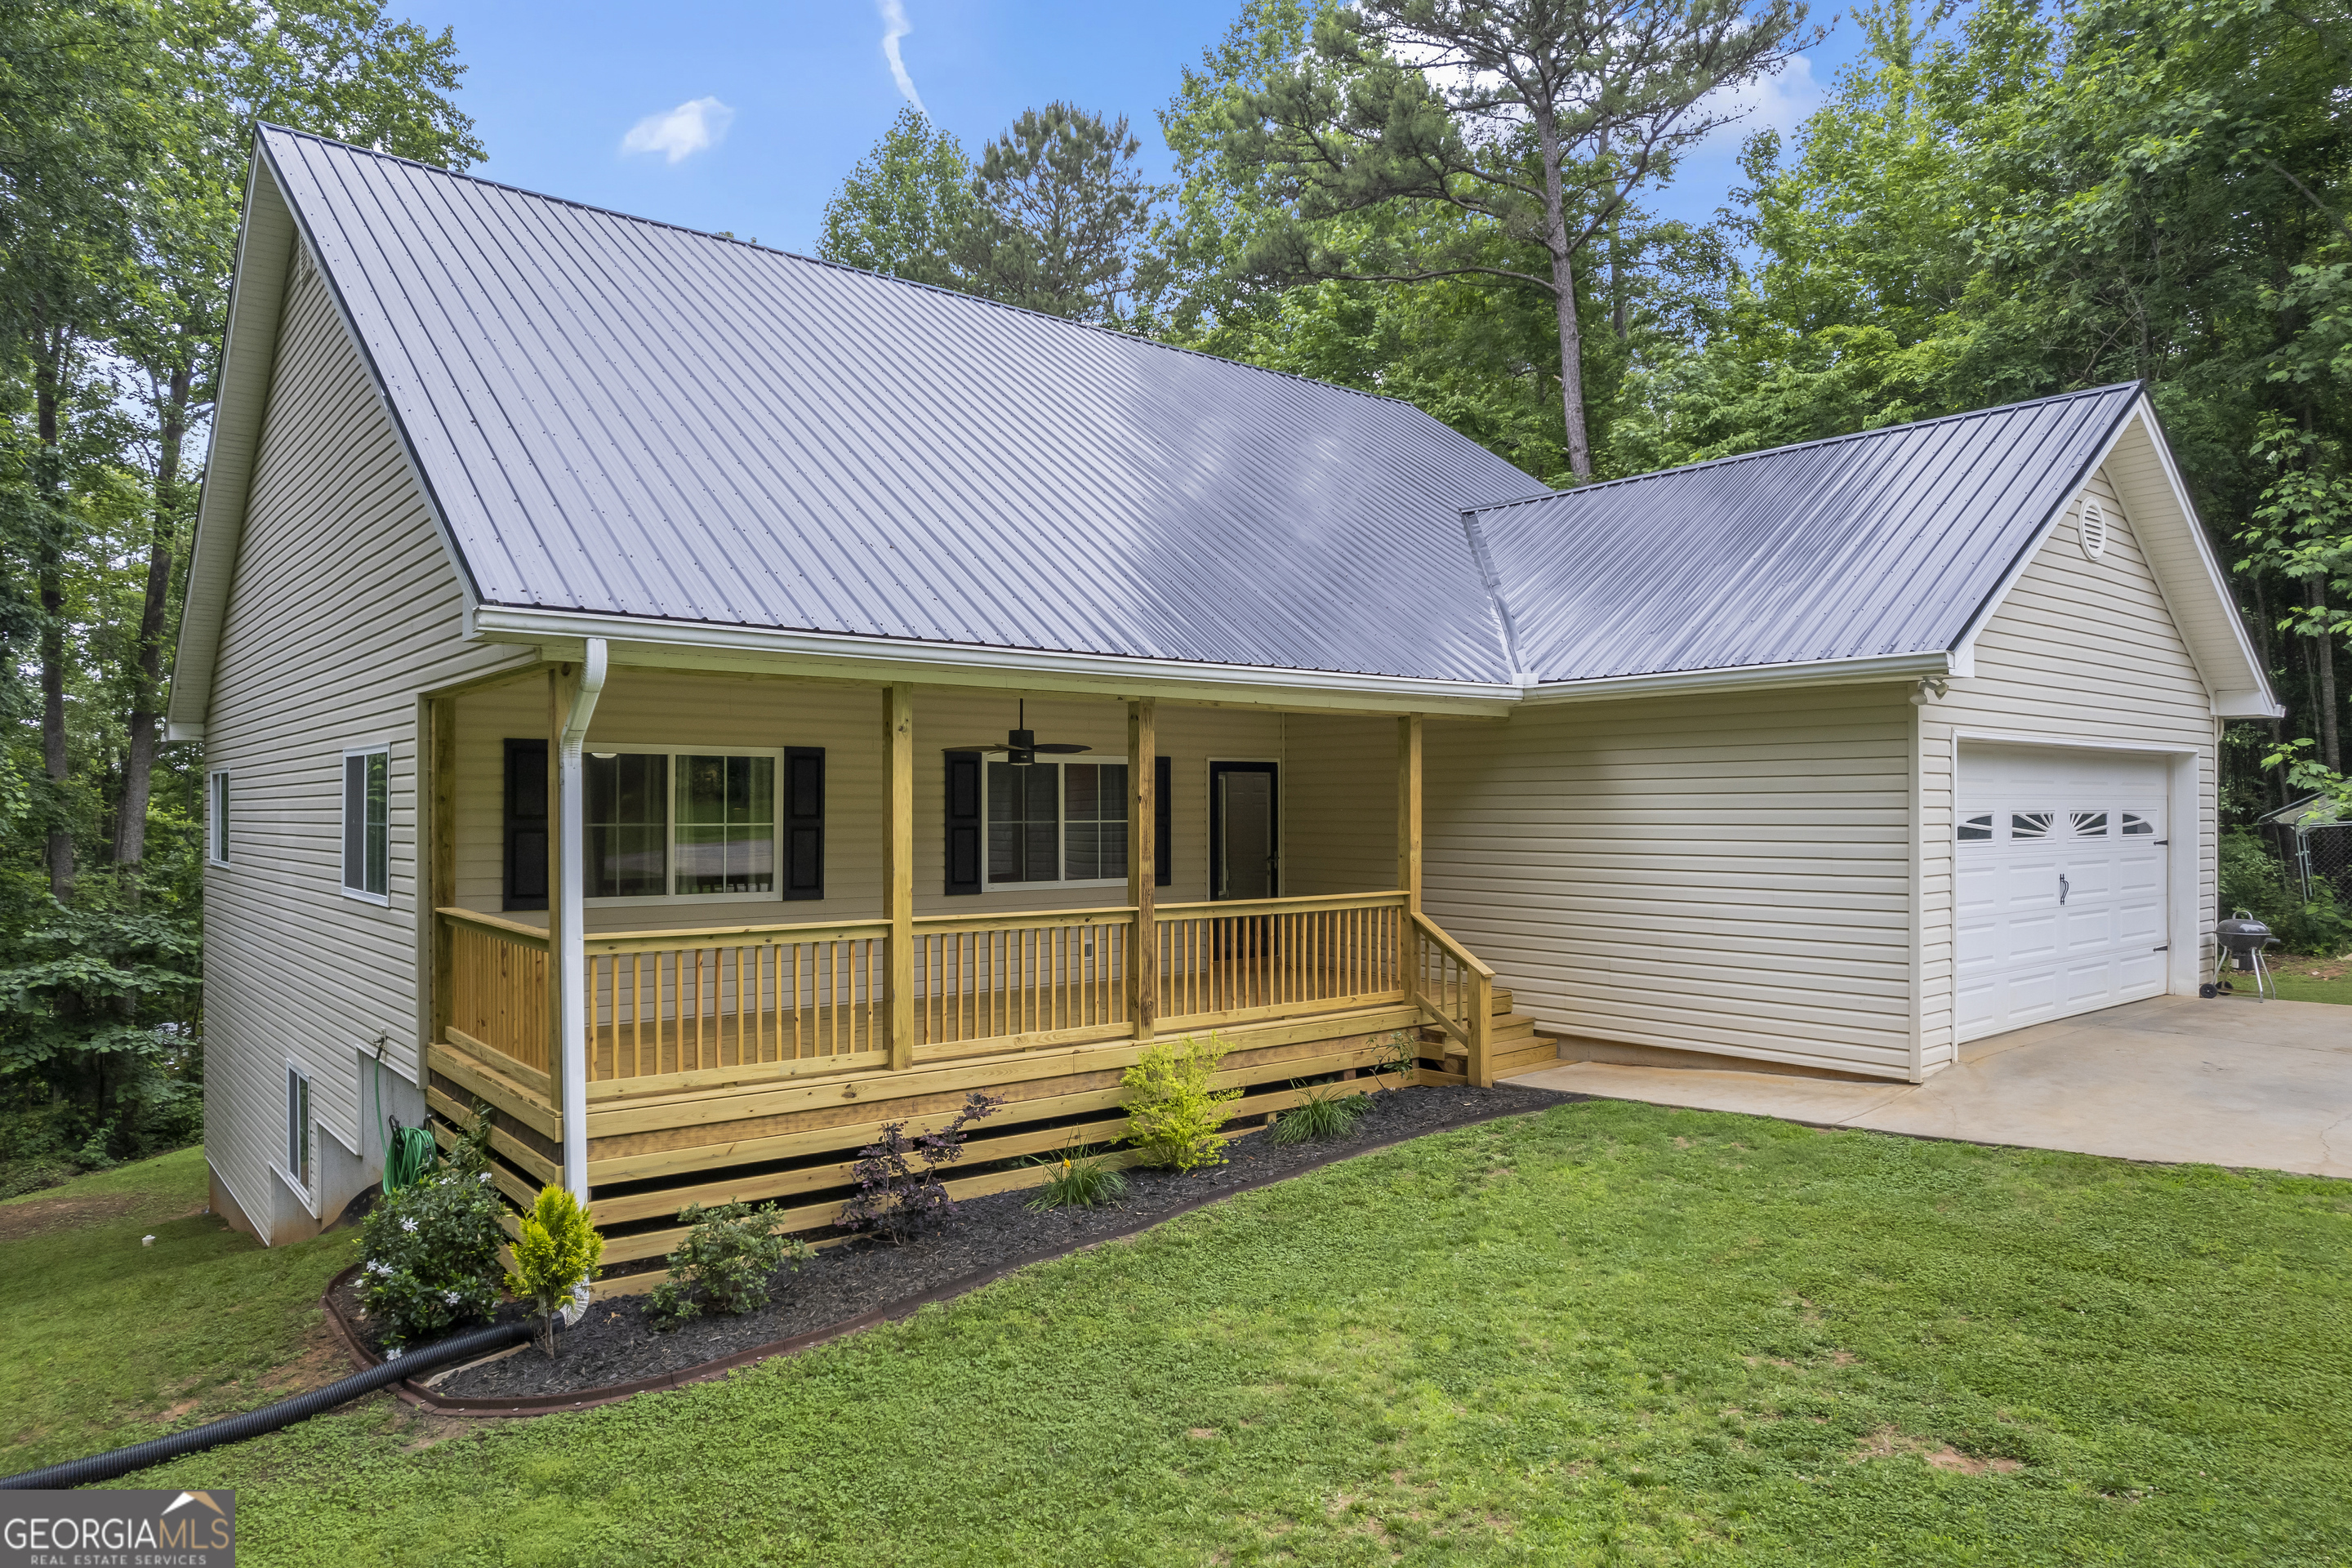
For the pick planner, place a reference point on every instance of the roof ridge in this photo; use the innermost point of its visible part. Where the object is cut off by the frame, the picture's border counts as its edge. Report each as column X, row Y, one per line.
column 261, row 126
column 1822, row 441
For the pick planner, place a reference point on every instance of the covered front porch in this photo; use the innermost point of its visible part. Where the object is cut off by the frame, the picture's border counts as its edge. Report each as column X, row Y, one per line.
column 887, row 916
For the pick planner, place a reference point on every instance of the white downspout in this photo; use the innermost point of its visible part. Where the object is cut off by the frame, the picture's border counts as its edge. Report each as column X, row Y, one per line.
column 571, row 968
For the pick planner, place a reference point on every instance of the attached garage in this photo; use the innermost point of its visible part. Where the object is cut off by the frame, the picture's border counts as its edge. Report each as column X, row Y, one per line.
column 2060, row 883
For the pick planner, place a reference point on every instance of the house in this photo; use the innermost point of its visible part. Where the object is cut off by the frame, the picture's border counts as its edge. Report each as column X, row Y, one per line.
column 703, row 704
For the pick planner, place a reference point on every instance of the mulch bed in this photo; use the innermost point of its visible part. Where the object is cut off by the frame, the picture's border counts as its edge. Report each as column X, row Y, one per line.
column 615, row 1352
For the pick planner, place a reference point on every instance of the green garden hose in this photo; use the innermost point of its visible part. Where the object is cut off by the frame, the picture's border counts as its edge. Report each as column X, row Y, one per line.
column 408, row 1151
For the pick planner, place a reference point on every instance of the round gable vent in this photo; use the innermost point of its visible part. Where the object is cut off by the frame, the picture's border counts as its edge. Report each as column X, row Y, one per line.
column 2092, row 530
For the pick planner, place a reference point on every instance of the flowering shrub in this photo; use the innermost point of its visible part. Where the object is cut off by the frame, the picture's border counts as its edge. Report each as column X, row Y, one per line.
column 899, row 1185
column 728, row 1258
column 431, row 1252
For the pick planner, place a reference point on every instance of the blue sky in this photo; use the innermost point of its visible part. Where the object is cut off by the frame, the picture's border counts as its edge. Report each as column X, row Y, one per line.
column 750, row 114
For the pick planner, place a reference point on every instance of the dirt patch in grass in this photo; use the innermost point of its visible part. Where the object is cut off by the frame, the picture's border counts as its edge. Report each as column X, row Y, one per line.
column 1886, row 1442
column 40, row 1216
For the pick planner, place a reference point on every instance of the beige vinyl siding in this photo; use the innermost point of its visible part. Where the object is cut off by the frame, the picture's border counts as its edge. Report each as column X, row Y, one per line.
column 2081, row 651
column 1341, row 788
column 667, row 707
column 341, row 607
column 1725, row 873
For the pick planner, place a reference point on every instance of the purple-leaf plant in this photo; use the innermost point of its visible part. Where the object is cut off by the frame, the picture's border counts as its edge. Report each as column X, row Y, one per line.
column 898, row 1187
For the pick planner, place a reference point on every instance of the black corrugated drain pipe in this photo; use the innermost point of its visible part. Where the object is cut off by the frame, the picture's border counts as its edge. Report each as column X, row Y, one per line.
column 270, row 1417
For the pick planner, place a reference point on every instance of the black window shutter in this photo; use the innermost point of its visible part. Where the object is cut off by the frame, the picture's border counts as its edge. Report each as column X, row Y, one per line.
column 1162, row 814
column 526, row 825
column 803, row 822
column 965, row 829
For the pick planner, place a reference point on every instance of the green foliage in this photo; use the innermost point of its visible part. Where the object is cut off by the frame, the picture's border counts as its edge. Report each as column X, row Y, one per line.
column 1173, row 1109
column 1507, row 164
column 1059, row 210
column 1321, row 1114
column 555, row 1254
column 906, row 207
column 432, row 1251
column 725, row 1263
column 2252, row 878
column 1075, row 1179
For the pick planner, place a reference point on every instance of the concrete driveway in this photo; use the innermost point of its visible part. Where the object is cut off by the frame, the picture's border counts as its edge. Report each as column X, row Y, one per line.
column 2226, row 1082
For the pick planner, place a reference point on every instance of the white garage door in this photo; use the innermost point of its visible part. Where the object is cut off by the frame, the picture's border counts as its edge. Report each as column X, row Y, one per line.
column 2061, row 883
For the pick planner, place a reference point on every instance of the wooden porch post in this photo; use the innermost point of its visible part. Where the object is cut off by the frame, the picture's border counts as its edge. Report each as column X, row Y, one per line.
column 441, row 876
column 1408, row 847
column 1142, row 871
column 898, row 863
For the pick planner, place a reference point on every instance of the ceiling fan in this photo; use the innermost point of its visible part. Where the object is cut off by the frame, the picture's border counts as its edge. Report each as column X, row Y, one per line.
column 1020, row 746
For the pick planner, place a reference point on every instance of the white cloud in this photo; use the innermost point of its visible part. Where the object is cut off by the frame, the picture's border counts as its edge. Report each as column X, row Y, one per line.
column 1782, row 101
column 895, row 26
column 682, row 131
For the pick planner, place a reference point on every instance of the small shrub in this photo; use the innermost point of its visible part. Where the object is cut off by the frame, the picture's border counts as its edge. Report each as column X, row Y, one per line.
column 1400, row 1060
column 724, row 1263
column 432, row 1255
column 898, row 1187
column 1172, row 1112
column 555, row 1255
column 1076, row 1179
column 2252, row 878
column 1321, row 1113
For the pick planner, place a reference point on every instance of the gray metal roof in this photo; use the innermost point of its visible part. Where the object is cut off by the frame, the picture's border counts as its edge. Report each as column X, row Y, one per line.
column 621, row 417
column 1890, row 541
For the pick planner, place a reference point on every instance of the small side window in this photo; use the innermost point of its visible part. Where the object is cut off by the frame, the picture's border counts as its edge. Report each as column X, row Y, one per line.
column 218, row 828
column 1977, row 828
column 297, row 1126
column 367, row 824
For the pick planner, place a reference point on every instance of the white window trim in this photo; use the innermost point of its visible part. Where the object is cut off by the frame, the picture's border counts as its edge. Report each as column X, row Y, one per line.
column 217, row 788
column 1061, row 839
column 294, row 1069
column 342, row 812
column 669, row 825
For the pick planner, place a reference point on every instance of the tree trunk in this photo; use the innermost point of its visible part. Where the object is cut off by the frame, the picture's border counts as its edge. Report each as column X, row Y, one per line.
column 2322, row 659
column 1563, row 291
column 48, row 571
column 147, row 655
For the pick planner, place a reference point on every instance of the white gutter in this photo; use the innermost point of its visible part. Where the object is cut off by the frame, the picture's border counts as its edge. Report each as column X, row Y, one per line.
column 500, row 620
column 1889, row 667
column 570, row 961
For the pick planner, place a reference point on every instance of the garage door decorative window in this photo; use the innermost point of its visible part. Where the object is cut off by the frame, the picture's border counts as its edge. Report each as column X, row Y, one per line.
column 2030, row 823
column 1977, row 826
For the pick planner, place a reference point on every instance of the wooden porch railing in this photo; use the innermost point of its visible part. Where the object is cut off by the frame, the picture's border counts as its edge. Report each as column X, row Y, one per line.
column 1456, row 991
column 671, row 1008
column 1232, row 961
column 498, row 985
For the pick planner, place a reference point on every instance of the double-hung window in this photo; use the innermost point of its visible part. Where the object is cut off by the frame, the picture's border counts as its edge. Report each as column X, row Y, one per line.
column 660, row 824
column 1057, row 821
column 217, row 831
column 367, row 824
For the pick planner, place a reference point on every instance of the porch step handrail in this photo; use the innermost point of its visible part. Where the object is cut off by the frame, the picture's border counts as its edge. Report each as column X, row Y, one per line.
column 1456, row 989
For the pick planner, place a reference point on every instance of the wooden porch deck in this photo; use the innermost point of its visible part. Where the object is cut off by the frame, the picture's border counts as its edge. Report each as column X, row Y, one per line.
column 752, row 1063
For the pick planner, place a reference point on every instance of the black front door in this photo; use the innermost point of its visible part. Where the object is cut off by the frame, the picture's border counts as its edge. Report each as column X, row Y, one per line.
column 1245, row 831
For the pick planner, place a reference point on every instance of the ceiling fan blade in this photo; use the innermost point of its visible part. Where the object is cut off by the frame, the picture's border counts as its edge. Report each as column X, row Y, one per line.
column 994, row 746
column 1061, row 746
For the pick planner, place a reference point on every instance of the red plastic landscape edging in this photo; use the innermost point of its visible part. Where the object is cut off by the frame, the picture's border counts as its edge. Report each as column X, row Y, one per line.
column 425, row 1398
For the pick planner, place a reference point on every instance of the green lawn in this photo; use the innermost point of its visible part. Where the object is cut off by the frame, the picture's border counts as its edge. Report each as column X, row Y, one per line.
column 1611, row 1333
column 2315, row 979
column 104, row 1342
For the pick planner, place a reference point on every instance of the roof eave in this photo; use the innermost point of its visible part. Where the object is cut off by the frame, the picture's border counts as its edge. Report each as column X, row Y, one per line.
column 694, row 644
